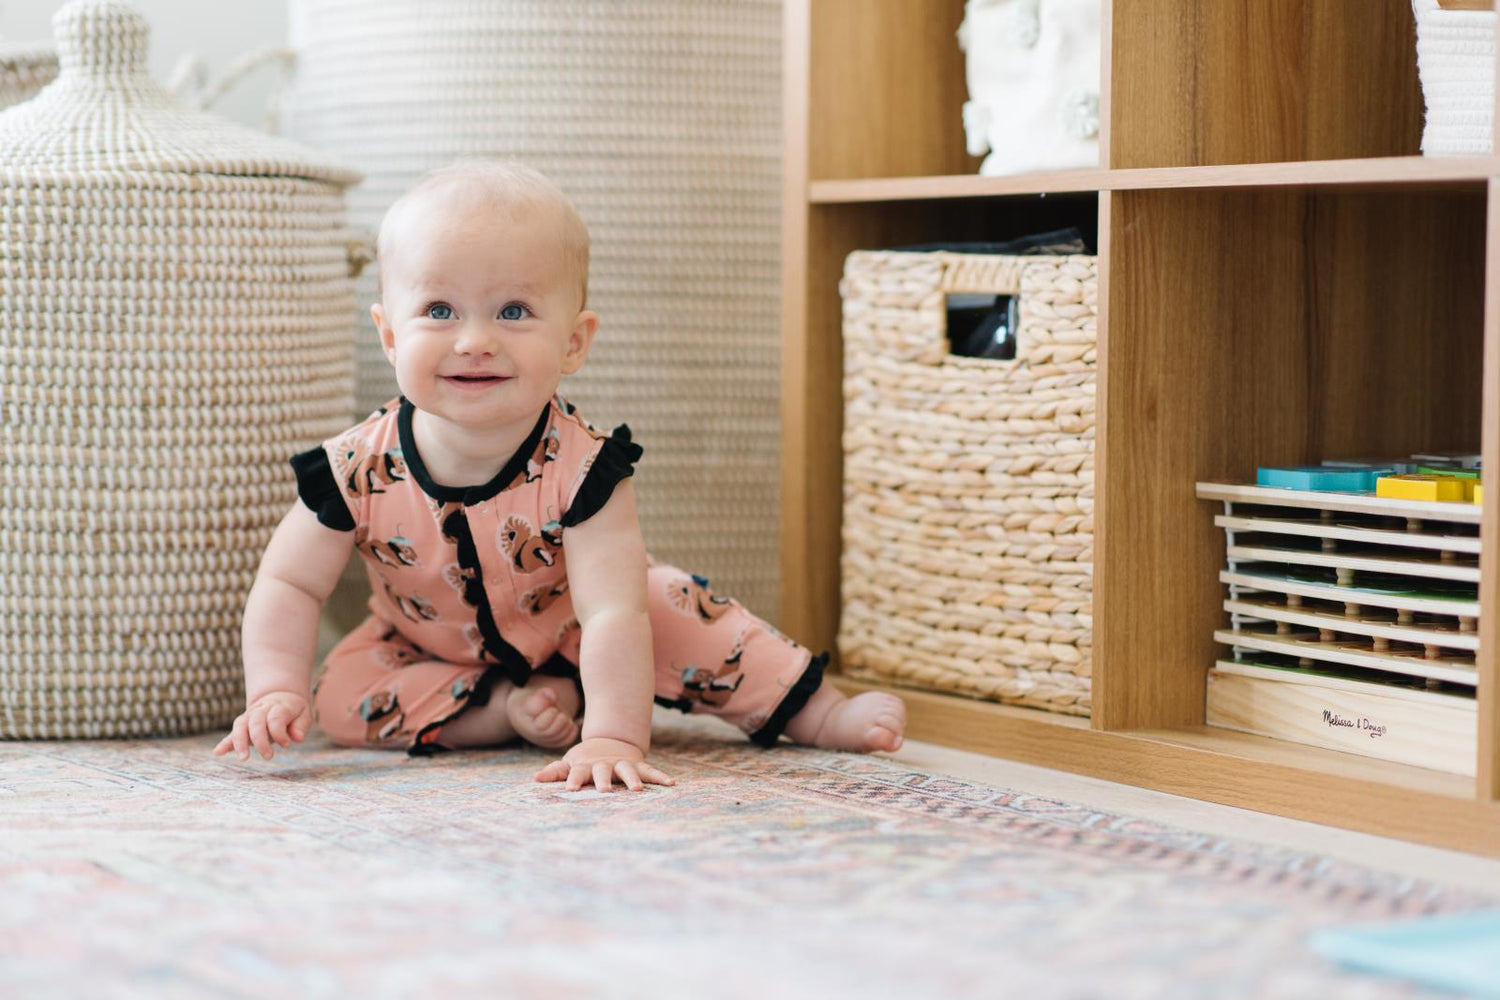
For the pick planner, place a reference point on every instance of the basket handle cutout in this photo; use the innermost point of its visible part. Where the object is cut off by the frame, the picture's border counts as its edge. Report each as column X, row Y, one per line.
column 982, row 325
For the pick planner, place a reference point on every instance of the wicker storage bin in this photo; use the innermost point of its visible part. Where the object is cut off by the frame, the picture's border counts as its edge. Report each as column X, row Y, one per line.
column 1456, row 63
column 176, row 312
column 969, row 483
column 661, row 120
column 24, row 70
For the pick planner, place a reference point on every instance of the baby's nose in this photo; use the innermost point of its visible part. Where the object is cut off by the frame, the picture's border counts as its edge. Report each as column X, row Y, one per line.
column 472, row 340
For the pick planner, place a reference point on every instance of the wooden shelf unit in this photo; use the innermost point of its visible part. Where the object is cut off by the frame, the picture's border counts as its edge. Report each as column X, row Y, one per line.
column 1282, row 279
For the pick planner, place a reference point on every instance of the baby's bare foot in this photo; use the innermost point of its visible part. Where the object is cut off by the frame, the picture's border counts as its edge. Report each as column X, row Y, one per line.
column 870, row 721
column 543, row 711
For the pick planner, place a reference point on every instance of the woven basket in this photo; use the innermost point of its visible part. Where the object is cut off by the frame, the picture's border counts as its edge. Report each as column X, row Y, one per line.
column 175, row 320
column 1456, row 63
column 24, row 70
column 661, row 120
column 969, row 483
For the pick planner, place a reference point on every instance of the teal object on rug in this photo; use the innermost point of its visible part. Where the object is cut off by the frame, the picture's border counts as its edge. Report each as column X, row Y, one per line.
column 1460, row 953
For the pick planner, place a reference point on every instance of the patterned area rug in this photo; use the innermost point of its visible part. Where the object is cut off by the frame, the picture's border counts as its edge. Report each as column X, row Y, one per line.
column 150, row 868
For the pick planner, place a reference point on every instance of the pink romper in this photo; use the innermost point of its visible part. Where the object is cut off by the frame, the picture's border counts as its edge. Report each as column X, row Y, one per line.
column 469, row 585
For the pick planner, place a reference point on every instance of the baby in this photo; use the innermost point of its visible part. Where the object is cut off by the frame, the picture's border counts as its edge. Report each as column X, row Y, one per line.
column 511, row 587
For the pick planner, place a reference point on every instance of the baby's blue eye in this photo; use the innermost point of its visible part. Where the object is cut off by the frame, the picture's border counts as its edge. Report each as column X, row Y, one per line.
column 440, row 310
column 514, row 311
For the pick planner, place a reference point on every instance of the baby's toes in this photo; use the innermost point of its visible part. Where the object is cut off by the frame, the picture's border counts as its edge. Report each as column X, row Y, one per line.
column 539, row 702
column 556, row 731
column 889, row 727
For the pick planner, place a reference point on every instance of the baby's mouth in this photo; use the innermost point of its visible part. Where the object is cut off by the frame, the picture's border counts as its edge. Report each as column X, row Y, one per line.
column 474, row 379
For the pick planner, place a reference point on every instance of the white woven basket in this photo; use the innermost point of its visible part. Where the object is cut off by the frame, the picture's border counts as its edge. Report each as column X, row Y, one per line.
column 175, row 321
column 1456, row 62
column 969, row 483
column 661, row 119
column 24, row 69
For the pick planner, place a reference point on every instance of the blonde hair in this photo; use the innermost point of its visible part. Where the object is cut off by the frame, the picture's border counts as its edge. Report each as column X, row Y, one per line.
column 504, row 185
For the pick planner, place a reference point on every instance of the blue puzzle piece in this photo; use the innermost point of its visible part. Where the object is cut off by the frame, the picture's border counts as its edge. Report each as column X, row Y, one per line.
column 1317, row 478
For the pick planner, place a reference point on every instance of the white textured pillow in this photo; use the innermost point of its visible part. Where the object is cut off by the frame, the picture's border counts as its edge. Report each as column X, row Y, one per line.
column 1033, row 74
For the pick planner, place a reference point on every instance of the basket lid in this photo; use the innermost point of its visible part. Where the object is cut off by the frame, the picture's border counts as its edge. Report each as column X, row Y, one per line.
column 104, row 112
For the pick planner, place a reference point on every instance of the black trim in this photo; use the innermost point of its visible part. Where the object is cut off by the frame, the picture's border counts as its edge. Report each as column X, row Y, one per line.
column 615, row 461
column 467, row 495
column 683, row 705
column 456, row 529
column 558, row 665
column 794, row 702
column 319, row 491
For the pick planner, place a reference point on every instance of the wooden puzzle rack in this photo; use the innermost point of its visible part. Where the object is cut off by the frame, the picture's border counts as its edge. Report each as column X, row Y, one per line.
column 1353, row 623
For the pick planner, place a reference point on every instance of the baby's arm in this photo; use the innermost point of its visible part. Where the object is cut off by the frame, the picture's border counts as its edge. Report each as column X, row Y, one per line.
column 606, row 561
column 280, row 632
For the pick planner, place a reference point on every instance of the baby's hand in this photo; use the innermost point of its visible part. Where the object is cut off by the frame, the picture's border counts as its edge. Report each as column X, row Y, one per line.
column 602, row 759
column 279, row 717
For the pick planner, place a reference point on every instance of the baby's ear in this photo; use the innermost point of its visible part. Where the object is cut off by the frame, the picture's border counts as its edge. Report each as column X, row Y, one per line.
column 579, row 341
column 387, row 335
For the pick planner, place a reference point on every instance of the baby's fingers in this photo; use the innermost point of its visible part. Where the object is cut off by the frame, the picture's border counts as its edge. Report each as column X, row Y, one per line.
column 555, row 771
column 652, row 775
column 237, row 740
column 629, row 776
column 298, row 729
column 604, row 776
column 258, row 733
column 277, row 720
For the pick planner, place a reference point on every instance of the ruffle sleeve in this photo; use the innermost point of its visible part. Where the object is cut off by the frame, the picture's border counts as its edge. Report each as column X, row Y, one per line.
column 320, row 491
column 615, row 461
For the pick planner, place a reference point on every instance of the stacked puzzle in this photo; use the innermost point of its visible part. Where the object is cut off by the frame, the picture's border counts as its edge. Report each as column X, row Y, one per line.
column 1446, row 477
column 1353, row 603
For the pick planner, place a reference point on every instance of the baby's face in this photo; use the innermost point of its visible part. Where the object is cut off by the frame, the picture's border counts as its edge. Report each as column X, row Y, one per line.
column 479, row 315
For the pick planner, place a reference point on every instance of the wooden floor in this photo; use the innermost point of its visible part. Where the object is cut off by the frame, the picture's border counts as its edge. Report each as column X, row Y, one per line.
column 1415, row 860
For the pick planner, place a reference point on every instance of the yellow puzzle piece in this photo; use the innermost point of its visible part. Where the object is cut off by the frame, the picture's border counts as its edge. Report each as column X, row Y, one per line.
column 1418, row 487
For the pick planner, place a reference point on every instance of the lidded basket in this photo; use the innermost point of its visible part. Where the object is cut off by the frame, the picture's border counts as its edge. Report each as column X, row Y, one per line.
column 176, row 319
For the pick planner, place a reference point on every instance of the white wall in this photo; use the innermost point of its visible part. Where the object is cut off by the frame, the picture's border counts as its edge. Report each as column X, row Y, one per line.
column 219, row 30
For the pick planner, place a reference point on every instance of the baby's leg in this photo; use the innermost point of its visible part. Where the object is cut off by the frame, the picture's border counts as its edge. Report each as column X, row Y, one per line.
column 486, row 725
column 543, row 712
column 714, row 656
column 870, row 721
column 378, row 690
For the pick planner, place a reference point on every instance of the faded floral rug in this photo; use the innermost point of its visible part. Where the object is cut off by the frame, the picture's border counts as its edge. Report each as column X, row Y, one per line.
column 151, row 868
